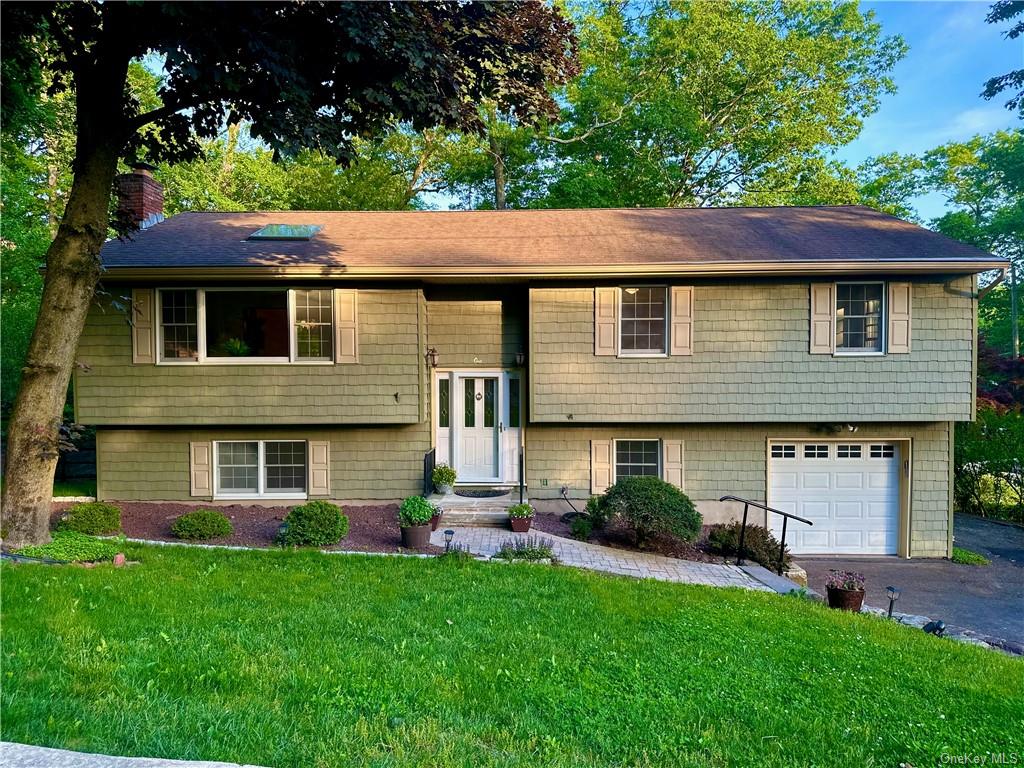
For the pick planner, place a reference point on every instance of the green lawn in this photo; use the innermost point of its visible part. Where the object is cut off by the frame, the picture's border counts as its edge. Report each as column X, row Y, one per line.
column 302, row 659
column 77, row 487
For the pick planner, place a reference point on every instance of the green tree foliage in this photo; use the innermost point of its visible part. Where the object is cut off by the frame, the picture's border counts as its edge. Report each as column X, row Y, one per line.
column 1013, row 81
column 994, row 318
column 697, row 103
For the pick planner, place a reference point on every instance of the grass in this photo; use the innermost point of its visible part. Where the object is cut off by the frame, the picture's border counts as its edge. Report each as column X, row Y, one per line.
column 963, row 556
column 289, row 658
column 79, row 487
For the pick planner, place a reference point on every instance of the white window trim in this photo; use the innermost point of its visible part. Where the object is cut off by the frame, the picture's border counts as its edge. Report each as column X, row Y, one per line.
column 883, row 320
column 261, row 470
column 615, row 454
column 203, row 359
column 618, row 321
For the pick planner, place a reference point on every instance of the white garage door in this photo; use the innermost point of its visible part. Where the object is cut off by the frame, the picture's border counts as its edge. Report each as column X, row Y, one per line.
column 850, row 491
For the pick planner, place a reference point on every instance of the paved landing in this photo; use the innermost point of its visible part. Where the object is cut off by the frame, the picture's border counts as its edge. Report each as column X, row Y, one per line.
column 594, row 557
column 25, row 756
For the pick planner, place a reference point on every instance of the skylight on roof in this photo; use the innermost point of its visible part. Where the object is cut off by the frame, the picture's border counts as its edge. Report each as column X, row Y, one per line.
column 286, row 232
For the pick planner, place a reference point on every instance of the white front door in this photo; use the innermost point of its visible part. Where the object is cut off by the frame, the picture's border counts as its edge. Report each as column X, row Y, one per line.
column 850, row 491
column 477, row 455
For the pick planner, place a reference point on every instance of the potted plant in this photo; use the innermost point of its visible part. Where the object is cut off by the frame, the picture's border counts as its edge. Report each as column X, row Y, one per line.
column 845, row 590
column 414, row 519
column 521, row 515
column 444, row 478
column 436, row 519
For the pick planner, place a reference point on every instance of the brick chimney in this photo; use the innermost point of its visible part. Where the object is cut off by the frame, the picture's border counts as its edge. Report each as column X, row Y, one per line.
column 140, row 196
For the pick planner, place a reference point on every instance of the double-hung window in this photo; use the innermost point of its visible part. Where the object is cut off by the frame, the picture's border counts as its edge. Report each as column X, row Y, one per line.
column 643, row 320
column 257, row 468
column 637, row 458
column 228, row 325
column 860, row 309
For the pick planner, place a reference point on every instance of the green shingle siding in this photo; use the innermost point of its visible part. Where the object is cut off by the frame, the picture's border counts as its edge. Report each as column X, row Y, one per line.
column 475, row 334
column 751, row 361
column 110, row 390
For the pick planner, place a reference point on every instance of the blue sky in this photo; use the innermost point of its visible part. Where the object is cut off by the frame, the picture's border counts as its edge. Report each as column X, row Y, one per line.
column 952, row 52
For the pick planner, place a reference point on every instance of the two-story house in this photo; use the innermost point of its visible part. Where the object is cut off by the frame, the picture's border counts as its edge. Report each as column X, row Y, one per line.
column 816, row 358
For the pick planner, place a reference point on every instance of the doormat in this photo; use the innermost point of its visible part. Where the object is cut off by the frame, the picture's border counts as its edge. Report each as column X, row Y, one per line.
column 480, row 493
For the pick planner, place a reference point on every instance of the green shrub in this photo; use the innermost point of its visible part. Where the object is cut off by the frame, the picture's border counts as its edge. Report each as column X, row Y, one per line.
column 521, row 511
column 966, row 557
column 443, row 475
column 415, row 510
column 759, row 544
column 530, row 548
column 596, row 513
column 202, row 524
column 74, row 547
column 313, row 524
column 581, row 528
column 92, row 518
column 649, row 507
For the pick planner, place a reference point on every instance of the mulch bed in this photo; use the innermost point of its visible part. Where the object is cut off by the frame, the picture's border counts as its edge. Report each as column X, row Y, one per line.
column 371, row 528
column 550, row 522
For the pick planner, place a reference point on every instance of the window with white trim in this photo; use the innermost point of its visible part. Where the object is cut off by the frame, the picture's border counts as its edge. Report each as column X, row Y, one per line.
column 246, row 325
column 860, row 308
column 255, row 468
column 643, row 313
column 883, row 451
column 847, row 451
column 784, row 451
column 637, row 458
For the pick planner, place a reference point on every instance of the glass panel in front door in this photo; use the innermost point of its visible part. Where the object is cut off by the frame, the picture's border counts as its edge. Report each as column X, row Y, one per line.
column 469, row 419
column 490, row 385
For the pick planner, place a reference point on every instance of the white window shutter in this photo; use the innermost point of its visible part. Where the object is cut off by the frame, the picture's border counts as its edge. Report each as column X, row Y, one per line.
column 682, row 320
column 346, row 326
column 900, row 295
column 600, row 465
column 672, row 462
column 606, row 301
column 319, row 468
column 201, row 469
column 823, row 318
column 142, row 322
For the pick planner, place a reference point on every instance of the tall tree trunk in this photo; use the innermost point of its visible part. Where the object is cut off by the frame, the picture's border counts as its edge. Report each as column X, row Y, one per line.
column 499, row 172
column 72, row 272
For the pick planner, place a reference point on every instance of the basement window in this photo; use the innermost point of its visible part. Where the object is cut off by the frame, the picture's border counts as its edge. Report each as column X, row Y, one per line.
column 637, row 458
column 258, row 468
column 286, row 232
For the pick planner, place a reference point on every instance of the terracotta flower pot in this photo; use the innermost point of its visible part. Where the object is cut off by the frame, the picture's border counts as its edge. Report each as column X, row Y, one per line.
column 845, row 599
column 435, row 521
column 416, row 536
column 521, row 524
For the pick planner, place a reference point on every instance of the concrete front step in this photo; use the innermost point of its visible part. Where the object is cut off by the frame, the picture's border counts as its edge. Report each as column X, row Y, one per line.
column 477, row 518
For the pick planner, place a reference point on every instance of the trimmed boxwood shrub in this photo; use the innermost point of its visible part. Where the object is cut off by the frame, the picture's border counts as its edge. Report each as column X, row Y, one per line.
column 314, row 524
column 415, row 510
column 74, row 547
column 202, row 524
column 759, row 544
column 92, row 518
column 649, row 508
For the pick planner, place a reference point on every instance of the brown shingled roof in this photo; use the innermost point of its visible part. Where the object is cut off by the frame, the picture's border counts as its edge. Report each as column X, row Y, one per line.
column 517, row 241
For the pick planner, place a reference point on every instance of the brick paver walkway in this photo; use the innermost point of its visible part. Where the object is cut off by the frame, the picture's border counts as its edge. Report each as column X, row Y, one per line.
column 487, row 541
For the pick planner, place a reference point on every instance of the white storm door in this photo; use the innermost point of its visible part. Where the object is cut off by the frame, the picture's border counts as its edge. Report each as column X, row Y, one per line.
column 510, row 427
column 850, row 491
column 478, row 430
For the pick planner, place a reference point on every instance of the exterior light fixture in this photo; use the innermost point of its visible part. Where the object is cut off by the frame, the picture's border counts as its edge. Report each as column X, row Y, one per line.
column 448, row 536
column 520, row 358
column 431, row 357
column 893, row 593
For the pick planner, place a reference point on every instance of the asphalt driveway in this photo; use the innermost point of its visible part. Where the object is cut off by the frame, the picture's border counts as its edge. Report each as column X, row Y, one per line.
column 987, row 599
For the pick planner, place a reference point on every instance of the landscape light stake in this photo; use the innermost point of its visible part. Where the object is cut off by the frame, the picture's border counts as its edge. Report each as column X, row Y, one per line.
column 448, row 536
column 893, row 594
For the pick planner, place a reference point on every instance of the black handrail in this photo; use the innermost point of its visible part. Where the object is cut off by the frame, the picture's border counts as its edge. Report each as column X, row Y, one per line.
column 428, row 472
column 747, row 503
column 521, row 489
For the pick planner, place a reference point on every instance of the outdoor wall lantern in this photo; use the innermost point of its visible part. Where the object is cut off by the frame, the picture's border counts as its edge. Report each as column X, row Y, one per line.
column 448, row 536
column 893, row 593
column 520, row 358
column 431, row 357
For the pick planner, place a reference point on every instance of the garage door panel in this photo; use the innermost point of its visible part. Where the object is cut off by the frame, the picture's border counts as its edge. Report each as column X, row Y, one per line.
column 853, row 502
column 848, row 510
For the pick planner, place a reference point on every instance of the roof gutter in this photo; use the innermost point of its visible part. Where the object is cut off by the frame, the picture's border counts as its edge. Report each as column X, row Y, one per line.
column 708, row 269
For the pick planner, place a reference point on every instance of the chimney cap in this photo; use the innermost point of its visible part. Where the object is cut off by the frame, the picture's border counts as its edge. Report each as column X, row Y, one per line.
column 139, row 165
